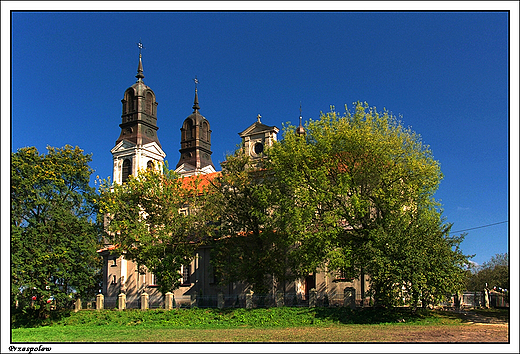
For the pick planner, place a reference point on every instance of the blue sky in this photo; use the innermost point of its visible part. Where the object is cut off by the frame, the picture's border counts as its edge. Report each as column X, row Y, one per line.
column 444, row 73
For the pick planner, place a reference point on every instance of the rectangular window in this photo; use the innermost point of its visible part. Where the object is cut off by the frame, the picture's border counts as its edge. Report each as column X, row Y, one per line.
column 153, row 279
column 186, row 270
column 114, row 279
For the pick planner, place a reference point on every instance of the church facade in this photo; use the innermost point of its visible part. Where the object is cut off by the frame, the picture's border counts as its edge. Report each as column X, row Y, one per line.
column 138, row 147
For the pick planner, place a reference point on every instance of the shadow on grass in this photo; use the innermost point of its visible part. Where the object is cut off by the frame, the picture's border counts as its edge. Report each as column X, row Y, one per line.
column 30, row 318
column 478, row 315
column 370, row 315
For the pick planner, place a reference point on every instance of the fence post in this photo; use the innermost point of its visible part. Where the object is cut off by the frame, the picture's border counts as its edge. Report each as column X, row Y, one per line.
column 220, row 300
column 312, row 298
column 486, row 298
column 168, row 301
column 121, row 301
column 249, row 300
column 77, row 305
column 144, row 301
column 100, row 302
column 349, row 299
column 280, row 301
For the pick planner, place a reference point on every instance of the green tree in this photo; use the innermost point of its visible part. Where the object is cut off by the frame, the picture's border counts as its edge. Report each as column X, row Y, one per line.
column 357, row 181
column 494, row 274
column 415, row 259
column 251, row 245
column 54, row 236
column 156, row 220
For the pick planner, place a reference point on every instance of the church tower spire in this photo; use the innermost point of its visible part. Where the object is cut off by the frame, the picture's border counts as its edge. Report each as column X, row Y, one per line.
column 138, row 145
column 195, row 142
column 140, row 75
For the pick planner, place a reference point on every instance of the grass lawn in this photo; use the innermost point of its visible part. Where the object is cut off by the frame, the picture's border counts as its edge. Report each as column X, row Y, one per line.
column 258, row 325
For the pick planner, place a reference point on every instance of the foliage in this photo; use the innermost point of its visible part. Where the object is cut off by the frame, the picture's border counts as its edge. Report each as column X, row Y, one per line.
column 53, row 235
column 156, row 220
column 230, row 317
column 358, row 192
column 494, row 273
column 415, row 259
column 251, row 245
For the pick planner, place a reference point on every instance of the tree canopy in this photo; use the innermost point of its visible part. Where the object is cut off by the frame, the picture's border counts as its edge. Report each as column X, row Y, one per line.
column 156, row 219
column 493, row 274
column 54, row 236
column 252, row 244
column 358, row 190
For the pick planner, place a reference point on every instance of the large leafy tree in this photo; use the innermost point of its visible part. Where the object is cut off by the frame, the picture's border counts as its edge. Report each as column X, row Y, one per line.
column 157, row 219
column 54, row 236
column 359, row 184
column 251, row 246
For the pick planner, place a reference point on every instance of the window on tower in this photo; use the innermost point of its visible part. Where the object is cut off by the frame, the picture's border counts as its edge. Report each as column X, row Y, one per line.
column 149, row 165
column 188, row 129
column 149, row 100
column 205, row 130
column 129, row 98
column 127, row 170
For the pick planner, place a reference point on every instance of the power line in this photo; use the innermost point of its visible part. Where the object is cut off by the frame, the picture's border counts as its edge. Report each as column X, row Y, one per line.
column 480, row 227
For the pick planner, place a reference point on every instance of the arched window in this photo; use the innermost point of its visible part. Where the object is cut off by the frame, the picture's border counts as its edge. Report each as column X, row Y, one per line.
column 188, row 129
column 149, row 165
column 205, row 131
column 148, row 103
column 129, row 97
column 127, row 170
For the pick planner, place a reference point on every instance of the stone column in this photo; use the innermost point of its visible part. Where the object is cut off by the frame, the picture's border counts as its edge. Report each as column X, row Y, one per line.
column 280, row 301
column 459, row 300
column 349, row 299
column 220, row 300
column 168, row 301
column 249, row 300
column 100, row 302
column 121, row 301
column 486, row 298
column 77, row 305
column 312, row 298
column 144, row 301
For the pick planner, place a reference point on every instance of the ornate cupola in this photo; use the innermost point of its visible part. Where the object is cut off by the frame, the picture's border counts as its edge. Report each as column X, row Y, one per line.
column 195, row 143
column 138, row 146
column 139, row 117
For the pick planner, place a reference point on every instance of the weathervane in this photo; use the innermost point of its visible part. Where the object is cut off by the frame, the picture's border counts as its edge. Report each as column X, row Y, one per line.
column 140, row 46
column 196, row 81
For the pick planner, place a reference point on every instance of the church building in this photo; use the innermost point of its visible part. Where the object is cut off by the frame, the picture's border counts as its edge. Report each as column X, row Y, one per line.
column 138, row 147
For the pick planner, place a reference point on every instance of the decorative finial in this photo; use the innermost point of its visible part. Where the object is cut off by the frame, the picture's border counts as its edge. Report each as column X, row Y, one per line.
column 300, row 130
column 196, row 101
column 140, row 46
column 140, row 75
column 258, row 118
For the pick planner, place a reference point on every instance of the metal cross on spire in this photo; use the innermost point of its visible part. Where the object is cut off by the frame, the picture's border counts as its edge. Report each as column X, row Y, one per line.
column 196, row 81
column 140, row 46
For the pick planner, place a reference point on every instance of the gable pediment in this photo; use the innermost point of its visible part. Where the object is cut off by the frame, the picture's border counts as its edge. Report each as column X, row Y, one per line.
column 154, row 148
column 257, row 128
column 122, row 146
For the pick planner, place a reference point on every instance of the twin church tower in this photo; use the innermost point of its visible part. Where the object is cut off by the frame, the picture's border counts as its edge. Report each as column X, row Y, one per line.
column 138, row 145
